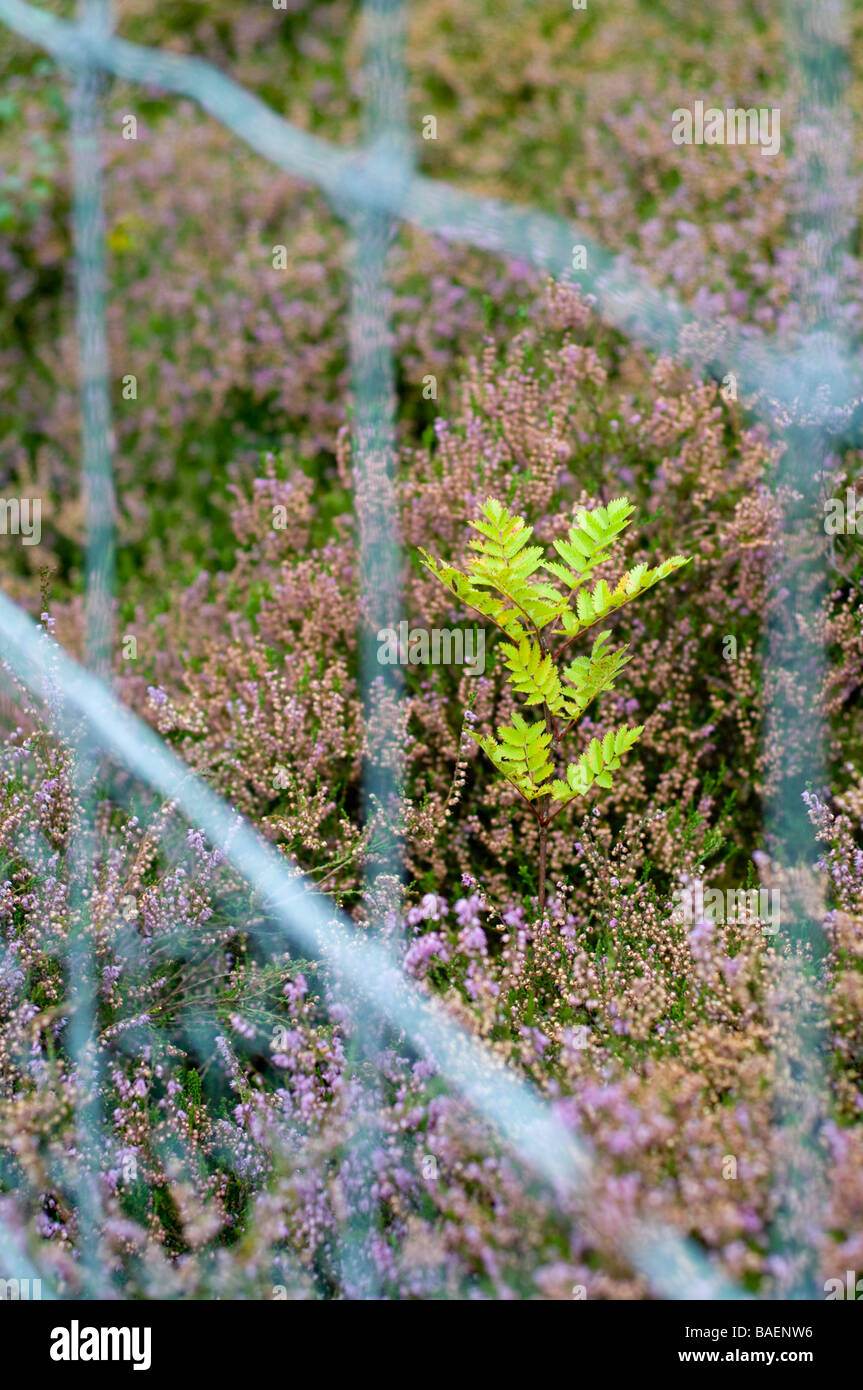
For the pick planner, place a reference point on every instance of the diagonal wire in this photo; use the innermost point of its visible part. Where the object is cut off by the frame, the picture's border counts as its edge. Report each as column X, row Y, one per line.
column 363, row 178
column 525, row 1122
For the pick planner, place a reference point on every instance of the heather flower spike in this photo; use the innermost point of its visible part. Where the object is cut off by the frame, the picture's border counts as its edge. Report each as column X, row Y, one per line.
column 505, row 584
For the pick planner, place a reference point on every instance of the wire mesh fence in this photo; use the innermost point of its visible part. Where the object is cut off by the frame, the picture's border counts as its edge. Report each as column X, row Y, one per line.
column 370, row 187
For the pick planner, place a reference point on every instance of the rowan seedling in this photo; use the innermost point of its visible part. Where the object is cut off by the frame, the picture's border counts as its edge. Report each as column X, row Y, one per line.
column 541, row 618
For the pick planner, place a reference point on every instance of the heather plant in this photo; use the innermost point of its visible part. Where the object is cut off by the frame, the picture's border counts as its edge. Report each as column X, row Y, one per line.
column 504, row 586
column 229, row 1077
column 258, row 663
column 230, row 1099
column 715, row 230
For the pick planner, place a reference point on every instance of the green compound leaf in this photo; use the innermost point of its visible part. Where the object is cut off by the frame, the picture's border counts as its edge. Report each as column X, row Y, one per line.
column 533, row 674
column 592, row 607
column 590, row 675
column 590, row 537
column 596, row 764
column 521, row 756
column 502, row 614
column 503, row 585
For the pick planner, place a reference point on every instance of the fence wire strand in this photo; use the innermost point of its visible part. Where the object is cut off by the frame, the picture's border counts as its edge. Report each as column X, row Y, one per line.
column 311, row 926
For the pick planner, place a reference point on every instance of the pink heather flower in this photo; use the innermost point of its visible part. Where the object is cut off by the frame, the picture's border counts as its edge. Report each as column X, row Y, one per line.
column 467, row 911
column 423, row 951
column 295, row 990
column 430, row 909
column 472, row 941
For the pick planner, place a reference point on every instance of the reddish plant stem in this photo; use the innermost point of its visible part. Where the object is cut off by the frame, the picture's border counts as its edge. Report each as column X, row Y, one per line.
column 543, row 849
